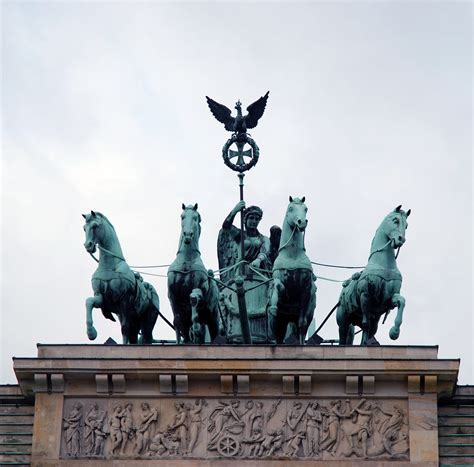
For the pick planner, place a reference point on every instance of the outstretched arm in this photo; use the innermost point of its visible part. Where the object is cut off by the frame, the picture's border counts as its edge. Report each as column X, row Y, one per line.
column 229, row 220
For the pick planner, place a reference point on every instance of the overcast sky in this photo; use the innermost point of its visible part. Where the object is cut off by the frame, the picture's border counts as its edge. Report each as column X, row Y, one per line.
column 103, row 107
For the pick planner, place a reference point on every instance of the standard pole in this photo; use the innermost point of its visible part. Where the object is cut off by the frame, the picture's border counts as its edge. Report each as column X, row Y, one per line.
column 239, row 281
column 242, row 225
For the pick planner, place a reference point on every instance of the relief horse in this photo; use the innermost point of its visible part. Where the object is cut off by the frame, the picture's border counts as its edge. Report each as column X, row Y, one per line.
column 193, row 295
column 117, row 289
column 293, row 295
column 376, row 290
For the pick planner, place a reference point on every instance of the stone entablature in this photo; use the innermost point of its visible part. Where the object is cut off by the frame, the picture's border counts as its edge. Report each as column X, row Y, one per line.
column 201, row 404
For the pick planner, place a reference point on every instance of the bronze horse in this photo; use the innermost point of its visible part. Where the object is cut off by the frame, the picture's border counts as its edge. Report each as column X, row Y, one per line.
column 376, row 290
column 293, row 296
column 117, row 289
column 193, row 295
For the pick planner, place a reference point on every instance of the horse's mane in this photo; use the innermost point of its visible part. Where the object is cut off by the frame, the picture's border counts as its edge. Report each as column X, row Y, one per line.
column 191, row 207
column 103, row 217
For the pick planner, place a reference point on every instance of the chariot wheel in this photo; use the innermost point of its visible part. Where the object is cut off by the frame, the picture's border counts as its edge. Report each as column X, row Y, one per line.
column 228, row 446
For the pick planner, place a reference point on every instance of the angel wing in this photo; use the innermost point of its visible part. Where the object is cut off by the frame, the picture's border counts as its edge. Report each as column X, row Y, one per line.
column 275, row 235
column 222, row 113
column 255, row 111
column 228, row 253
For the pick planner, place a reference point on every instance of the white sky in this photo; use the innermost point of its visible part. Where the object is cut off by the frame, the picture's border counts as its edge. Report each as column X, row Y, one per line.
column 103, row 108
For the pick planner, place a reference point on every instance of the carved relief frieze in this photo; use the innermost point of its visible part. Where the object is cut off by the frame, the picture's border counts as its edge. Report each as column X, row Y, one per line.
column 323, row 429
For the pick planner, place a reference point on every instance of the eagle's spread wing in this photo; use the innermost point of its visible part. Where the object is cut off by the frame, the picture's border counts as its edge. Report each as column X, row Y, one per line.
column 222, row 113
column 256, row 111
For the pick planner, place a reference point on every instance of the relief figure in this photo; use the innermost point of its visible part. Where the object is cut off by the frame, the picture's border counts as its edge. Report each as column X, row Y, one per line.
column 100, row 434
column 115, row 428
column 195, row 423
column 72, row 430
column 314, row 420
column 362, row 428
column 90, row 421
column 126, row 427
column 333, row 437
column 179, row 427
column 146, row 429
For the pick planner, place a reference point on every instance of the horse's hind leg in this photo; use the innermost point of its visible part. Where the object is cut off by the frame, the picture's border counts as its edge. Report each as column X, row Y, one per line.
column 342, row 324
column 350, row 335
column 92, row 302
column 365, row 309
column 133, row 330
column 149, row 318
column 148, row 323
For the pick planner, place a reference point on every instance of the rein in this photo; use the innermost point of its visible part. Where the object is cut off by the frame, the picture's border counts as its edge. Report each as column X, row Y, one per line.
column 105, row 251
column 378, row 250
column 398, row 252
column 289, row 240
column 382, row 248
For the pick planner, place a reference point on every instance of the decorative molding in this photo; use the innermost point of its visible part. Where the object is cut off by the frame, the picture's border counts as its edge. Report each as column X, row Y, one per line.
column 414, row 384
column 368, row 384
column 118, row 384
column 305, row 384
column 352, row 384
column 41, row 382
column 57, row 382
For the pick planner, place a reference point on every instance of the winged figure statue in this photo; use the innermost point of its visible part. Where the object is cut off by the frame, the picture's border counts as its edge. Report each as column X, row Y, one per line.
column 240, row 123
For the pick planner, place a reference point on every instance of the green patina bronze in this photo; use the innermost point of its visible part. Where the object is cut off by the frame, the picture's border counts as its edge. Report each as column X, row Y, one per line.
column 376, row 290
column 244, row 160
column 254, row 266
column 117, row 289
column 240, row 123
column 193, row 294
column 293, row 295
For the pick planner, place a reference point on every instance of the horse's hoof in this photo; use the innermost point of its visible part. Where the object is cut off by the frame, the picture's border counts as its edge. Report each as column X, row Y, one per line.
column 91, row 334
column 394, row 333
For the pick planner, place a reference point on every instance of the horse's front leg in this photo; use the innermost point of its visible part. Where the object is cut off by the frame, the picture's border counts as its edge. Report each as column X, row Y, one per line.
column 92, row 302
column 275, row 322
column 307, row 311
column 277, row 290
column 397, row 301
column 197, row 329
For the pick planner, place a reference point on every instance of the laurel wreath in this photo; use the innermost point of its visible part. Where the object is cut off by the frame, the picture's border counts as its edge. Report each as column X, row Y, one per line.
column 250, row 142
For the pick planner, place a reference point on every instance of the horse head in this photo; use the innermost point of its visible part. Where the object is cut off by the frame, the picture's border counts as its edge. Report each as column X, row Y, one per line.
column 394, row 226
column 296, row 214
column 94, row 229
column 190, row 224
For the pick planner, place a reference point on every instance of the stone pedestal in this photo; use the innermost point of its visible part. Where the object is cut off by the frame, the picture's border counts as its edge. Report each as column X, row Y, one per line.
column 100, row 405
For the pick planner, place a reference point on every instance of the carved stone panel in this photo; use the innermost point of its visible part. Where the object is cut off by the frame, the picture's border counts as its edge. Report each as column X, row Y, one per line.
column 323, row 429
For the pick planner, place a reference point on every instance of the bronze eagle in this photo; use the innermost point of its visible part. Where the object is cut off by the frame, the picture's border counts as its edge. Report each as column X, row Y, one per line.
column 238, row 124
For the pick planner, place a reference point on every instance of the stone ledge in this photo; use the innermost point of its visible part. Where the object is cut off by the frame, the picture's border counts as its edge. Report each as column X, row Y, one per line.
column 231, row 352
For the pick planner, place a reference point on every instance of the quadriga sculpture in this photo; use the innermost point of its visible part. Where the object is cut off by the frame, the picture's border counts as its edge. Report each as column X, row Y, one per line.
column 193, row 295
column 376, row 290
column 117, row 289
column 293, row 297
